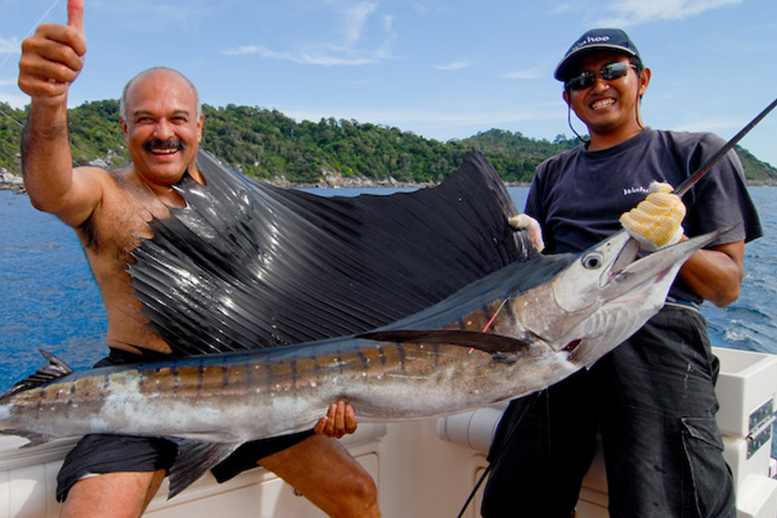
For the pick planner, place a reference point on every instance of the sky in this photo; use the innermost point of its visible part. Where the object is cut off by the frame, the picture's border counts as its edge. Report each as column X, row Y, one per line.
column 442, row 69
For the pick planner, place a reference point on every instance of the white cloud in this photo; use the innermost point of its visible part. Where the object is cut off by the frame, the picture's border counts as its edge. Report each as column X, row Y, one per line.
column 9, row 46
column 242, row 51
column 529, row 73
column 331, row 57
column 719, row 124
column 157, row 16
column 456, row 65
column 356, row 17
column 623, row 13
column 564, row 8
column 324, row 59
column 434, row 122
column 353, row 39
column 388, row 22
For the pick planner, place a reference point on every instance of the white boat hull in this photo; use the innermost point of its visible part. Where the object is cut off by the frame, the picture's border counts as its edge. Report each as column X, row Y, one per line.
column 422, row 468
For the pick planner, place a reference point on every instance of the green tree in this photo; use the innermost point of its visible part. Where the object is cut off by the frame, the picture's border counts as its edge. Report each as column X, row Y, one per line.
column 267, row 144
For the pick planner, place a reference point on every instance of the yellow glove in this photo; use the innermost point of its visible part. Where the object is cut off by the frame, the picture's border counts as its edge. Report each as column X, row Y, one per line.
column 657, row 221
column 532, row 228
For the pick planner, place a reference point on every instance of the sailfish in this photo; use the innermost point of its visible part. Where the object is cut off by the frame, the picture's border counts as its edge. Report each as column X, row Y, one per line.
column 277, row 303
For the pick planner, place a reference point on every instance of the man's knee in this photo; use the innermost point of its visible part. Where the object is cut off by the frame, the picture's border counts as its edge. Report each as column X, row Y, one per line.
column 325, row 473
column 363, row 488
column 358, row 499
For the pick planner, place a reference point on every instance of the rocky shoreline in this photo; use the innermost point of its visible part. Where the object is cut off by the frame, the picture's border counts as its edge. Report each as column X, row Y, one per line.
column 10, row 181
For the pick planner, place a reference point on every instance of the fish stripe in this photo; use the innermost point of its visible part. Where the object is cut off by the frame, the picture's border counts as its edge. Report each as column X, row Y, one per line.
column 306, row 367
column 363, row 359
column 176, row 380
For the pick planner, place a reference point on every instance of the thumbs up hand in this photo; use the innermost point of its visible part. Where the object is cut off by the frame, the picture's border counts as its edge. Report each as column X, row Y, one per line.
column 75, row 15
column 53, row 57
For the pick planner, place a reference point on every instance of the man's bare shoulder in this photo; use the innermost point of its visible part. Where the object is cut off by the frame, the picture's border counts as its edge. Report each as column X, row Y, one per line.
column 122, row 188
column 106, row 178
column 126, row 207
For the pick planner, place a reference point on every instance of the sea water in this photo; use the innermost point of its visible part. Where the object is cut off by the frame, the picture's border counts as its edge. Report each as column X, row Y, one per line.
column 49, row 300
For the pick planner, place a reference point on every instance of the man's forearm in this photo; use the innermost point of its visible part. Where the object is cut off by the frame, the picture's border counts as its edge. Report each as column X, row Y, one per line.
column 46, row 157
column 716, row 275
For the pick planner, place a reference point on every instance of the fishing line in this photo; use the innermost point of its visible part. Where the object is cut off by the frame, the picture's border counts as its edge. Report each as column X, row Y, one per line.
column 488, row 325
column 507, row 438
column 496, row 313
column 530, row 400
column 680, row 190
column 8, row 115
column 7, row 57
column 691, row 181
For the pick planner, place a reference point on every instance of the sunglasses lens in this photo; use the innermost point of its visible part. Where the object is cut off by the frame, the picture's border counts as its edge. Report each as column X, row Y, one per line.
column 614, row 71
column 609, row 72
column 584, row 80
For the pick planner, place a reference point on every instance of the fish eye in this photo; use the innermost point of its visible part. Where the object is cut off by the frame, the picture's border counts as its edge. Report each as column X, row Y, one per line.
column 593, row 261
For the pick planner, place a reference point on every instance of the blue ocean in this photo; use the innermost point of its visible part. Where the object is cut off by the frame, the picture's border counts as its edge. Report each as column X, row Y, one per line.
column 48, row 298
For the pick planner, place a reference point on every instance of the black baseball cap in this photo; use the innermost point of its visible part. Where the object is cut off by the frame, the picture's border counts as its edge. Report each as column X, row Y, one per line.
column 595, row 40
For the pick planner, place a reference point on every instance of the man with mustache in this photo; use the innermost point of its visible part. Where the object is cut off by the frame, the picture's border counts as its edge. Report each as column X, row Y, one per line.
column 117, row 476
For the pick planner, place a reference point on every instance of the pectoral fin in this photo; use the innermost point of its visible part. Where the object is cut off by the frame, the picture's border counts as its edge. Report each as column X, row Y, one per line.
column 36, row 439
column 193, row 460
column 490, row 343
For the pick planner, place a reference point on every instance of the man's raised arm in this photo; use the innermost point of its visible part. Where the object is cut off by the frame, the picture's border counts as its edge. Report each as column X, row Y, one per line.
column 51, row 60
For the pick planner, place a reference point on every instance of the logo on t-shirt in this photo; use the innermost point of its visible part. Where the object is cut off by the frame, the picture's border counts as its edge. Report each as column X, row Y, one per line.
column 635, row 190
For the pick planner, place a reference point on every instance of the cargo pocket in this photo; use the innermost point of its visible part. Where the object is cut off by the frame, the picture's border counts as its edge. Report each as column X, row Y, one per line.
column 708, row 484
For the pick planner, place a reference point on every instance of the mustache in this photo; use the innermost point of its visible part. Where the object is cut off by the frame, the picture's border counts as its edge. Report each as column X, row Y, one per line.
column 169, row 143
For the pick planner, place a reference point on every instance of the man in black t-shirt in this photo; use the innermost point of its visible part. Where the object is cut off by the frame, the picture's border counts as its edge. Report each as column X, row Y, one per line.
column 652, row 399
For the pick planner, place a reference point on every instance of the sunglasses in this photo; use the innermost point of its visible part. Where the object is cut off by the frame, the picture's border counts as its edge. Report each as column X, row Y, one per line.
column 609, row 72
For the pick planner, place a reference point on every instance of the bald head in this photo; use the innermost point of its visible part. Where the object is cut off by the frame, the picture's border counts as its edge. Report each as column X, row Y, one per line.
column 173, row 74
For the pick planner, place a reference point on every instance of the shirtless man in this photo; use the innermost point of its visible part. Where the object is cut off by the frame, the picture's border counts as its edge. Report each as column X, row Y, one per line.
column 162, row 123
